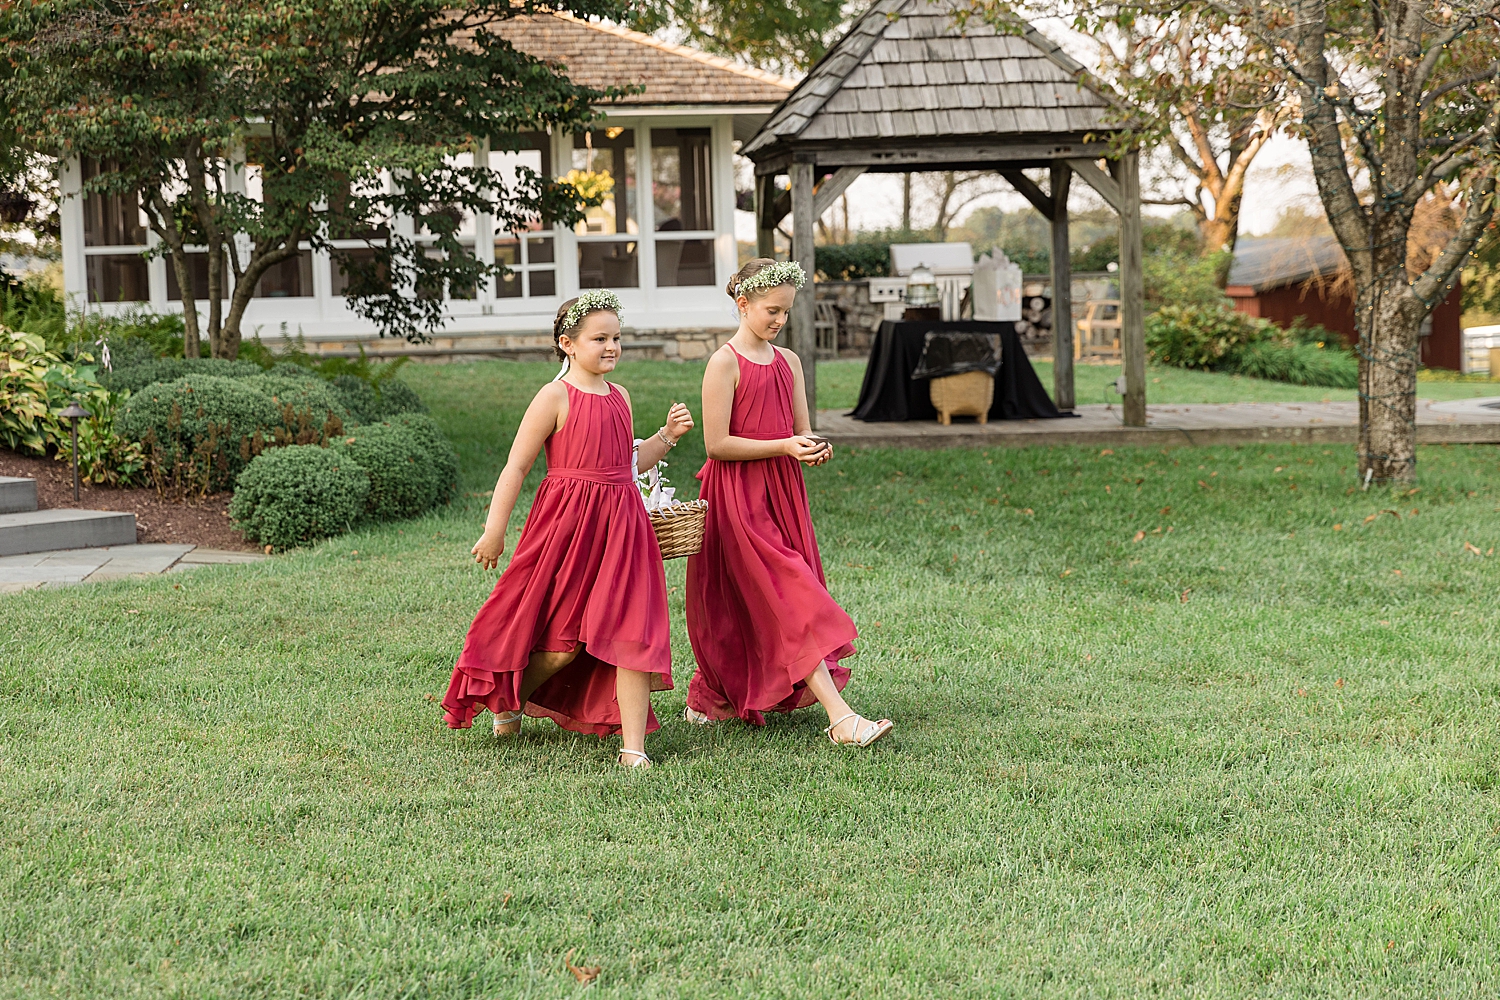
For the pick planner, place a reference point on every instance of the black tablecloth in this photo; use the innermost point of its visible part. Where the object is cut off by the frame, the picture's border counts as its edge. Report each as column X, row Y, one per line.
column 890, row 393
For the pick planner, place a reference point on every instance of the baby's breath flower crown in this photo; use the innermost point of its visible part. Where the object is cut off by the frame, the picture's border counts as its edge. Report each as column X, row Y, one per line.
column 783, row 272
column 591, row 300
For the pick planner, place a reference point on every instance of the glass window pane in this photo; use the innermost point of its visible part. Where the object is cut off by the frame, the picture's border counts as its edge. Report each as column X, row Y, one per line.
column 684, row 262
column 461, row 291
column 507, row 251
column 528, row 149
column 345, row 269
column 508, row 286
column 608, row 265
column 681, row 190
column 539, row 250
column 542, row 283
column 111, row 220
column 118, row 277
column 290, row 279
column 198, row 268
column 604, row 163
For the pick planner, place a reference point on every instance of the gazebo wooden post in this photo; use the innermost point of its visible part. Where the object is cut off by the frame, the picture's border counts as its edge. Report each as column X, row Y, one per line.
column 804, row 307
column 1062, row 290
column 765, row 224
column 1127, row 173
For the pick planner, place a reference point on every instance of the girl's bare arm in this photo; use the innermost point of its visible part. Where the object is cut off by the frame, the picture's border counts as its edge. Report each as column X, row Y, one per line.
column 546, row 412
column 719, row 382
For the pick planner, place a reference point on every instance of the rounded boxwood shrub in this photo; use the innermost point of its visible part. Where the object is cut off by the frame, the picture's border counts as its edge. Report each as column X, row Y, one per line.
column 296, row 495
column 199, row 431
column 401, row 478
column 398, row 397
column 311, row 412
column 442, row 459
column 358, row 398
column 136, row 377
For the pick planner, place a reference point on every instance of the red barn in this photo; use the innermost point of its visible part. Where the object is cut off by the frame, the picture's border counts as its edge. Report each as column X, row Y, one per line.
column 1282, row 278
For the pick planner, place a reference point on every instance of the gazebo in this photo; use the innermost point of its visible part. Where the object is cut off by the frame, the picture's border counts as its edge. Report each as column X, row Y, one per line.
column 915, row 87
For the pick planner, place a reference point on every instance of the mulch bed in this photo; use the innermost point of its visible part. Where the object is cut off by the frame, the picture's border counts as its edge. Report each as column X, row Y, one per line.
column 198, row 522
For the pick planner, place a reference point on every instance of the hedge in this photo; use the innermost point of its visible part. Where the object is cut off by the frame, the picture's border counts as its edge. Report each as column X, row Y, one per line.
column 299, row 494
column 311, row 412
column 442, row 459
column 199, row 431
column 402, row 481
column 136, row 377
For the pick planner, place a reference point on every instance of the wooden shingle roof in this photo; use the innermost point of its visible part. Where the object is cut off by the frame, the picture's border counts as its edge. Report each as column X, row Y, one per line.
column 909, row 69
column 601, row 55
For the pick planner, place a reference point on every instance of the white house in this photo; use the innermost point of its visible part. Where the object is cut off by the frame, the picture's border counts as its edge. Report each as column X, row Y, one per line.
column 664, row 240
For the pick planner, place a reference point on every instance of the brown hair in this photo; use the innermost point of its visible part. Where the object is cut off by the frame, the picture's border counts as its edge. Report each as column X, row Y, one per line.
column 558, row 329
column 750, row 270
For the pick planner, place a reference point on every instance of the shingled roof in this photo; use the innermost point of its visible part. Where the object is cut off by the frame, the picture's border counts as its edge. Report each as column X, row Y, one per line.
column 601, row 55
column 909, row 69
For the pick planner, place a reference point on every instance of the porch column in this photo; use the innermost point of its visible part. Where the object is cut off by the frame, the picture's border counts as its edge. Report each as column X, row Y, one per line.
column 765, row 226
column 1127, row 171
column 804, row 339
column 1062, row 290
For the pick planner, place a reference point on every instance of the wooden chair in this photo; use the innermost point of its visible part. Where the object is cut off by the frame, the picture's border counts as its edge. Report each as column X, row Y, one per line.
column 826, row 328
column 1099, row 330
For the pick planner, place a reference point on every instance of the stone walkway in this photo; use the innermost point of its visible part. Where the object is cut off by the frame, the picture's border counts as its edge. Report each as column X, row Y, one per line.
column 120, row 562
column 1473, row 421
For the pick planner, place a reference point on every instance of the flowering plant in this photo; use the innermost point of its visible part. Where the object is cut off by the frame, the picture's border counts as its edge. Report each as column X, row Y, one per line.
column 783, row 272
column 592, row 300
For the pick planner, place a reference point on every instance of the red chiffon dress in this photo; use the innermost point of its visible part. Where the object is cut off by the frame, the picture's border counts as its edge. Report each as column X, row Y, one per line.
column 758, row 610
column 587, row 569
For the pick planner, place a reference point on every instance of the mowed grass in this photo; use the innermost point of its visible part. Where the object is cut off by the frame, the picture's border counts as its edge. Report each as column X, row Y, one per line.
column 1253, row 753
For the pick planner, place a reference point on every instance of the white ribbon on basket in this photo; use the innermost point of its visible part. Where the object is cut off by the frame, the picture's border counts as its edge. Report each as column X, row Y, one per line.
column 656, row 494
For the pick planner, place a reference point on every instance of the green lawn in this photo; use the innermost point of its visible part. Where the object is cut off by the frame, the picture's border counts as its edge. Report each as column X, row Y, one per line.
column 839, row 381
column 1252, row 754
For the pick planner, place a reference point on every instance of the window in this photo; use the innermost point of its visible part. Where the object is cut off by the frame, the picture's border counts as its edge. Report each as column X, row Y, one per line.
column 355, row 263
column 604, row 164
column 681, row 192
column 530, row 263
column 685, row 262
column 289, row 279
column 111, row 220
column 198, row 270
column 117, row 277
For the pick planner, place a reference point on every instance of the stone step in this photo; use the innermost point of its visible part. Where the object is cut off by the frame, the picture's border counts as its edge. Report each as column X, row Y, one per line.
column 17, row 495
column 52, row 530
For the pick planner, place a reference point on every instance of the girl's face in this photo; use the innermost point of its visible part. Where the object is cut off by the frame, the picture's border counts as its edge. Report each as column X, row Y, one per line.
column 595, row 345
column 768, row 313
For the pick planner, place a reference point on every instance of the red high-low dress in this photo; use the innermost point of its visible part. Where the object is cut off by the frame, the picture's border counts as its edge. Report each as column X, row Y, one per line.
column 758, row 610
column 587, row 569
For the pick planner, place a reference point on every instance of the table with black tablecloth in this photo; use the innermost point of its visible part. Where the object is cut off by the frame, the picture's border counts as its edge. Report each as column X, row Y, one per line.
column 890, row 393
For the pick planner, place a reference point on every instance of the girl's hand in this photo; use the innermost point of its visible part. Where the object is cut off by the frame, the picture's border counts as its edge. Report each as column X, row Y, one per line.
column 679, row 421
column 808, row 451
column 488, row 549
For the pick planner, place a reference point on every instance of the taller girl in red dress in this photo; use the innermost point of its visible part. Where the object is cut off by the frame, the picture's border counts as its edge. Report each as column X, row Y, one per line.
column 576, row 629
column 766, row 633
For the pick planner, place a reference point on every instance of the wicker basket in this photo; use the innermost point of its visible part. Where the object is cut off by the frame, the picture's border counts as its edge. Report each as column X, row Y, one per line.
column 679, row 528
column 969, row 394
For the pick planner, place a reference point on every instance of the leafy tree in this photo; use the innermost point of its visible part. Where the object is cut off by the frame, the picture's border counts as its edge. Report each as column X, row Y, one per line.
column 781, row 35
column 348, row 115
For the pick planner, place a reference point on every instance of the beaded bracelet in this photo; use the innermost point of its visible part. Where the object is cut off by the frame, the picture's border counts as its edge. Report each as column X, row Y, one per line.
column 662, row 433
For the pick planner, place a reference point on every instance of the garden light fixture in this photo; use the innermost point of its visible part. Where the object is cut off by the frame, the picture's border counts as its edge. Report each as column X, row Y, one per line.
column 73, row 412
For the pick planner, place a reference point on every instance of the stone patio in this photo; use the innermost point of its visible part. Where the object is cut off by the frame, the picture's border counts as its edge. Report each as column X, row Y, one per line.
column 119, row 562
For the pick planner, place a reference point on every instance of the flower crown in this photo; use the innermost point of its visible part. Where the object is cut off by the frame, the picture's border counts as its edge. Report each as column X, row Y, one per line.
column 592, row 300
column 783, row 272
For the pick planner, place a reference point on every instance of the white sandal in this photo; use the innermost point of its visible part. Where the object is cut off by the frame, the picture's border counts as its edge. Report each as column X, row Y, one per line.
column 644, row 761
column 862, row 737
column 505, row 720
column 694, row 718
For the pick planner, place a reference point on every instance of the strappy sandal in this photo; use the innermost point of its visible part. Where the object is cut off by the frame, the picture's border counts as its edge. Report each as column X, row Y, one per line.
column 694, row 718
column 506, row 720
column 642, row 761
column 863, row 737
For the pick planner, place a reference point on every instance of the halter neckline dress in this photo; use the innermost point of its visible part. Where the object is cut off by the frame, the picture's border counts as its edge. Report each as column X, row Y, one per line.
column 586, row 569
column 759, row 614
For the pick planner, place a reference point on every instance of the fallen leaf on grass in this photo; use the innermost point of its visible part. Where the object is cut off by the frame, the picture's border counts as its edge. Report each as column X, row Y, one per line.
column 1066, row 572
column 132, row 611
column 430, row 697
column 1471, row 547
column 1338, row 527
column 1165, row 510
column 505, row 901
column 1139, row 536
column 1339, row 683
column 1371, row 518
column 583, row 973
column 1183, row 598
column 268, row 550
column 1395, row 514
column 1028, row 512
column 1106, row 451
column 1302, row 692
column 1384, row 622
column 1397, row 572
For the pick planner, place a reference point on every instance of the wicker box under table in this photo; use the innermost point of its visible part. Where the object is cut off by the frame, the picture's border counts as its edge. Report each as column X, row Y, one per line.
column 970, row 394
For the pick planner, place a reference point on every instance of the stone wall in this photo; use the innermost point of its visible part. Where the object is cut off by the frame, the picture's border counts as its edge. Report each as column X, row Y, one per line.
column 858, row 317
column 673, row 345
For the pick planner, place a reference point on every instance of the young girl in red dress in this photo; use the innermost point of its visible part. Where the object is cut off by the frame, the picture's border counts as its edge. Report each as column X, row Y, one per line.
column 766, row 633
column 576, row 629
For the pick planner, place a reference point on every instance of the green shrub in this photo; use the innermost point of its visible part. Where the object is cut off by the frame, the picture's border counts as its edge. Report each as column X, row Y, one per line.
column 134, row 378
column 358, row 398
column 160, row 332
column 853, row 261
column 401, row 476
column 105, row 456
column 1201, row 336
column 442, row 459
column 199, row 431
column 1287, row 360
column 298, row 495
column 33, row 305
column 398, row 397
column 311, row 412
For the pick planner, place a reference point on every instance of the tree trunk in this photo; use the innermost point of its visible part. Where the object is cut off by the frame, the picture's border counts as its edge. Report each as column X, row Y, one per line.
column 1390, row 318
column 165, row 225
column 906, row 202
